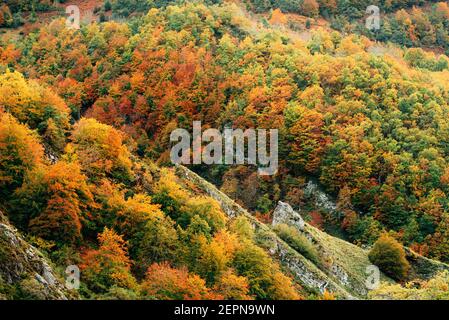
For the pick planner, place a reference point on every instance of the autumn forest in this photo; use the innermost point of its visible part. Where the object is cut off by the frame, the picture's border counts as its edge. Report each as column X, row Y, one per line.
column 86, row 177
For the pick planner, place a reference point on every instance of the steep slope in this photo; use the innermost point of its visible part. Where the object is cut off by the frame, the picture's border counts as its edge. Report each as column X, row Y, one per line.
column 24, row 272
column 344, row 268
column 304, row 271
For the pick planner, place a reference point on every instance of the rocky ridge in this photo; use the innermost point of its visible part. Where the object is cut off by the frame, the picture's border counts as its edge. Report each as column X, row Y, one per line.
column 24, row 272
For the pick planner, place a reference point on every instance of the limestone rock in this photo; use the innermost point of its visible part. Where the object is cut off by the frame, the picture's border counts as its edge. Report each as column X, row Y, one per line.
column 284, row 213
column 23, row 267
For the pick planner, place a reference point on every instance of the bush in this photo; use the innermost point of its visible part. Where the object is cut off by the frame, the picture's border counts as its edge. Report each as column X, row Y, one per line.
column 433, row 289
column 389, row 255
column 265, row 279
column 107, row 6
column 297, row 241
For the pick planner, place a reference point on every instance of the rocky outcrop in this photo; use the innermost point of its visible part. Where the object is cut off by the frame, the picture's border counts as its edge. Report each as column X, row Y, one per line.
column 304, row 271
column 24, row 271
column 332, row 250
column 284, row 213
column 422, row 267
column 344, row 267
column 321, row 199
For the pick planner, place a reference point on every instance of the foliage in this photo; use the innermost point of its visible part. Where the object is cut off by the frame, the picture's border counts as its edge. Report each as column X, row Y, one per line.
column 53, row 202
column 297, row 241
column 166, row 283
column 100, row 150
column 109, row 265
column 433, row 289
column 389, row 255
column 233, row 287
column 20, row 152
column 266, row 281
column 36, row 106
column 207, row 209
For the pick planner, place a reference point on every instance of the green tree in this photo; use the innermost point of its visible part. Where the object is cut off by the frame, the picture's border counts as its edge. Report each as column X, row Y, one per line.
column 389, row 255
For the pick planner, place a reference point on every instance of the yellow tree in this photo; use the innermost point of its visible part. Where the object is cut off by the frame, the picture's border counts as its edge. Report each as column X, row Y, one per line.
column 109, row 265
column 20, row 151
column 101, row 150
column 35, row 105
column 277, row 17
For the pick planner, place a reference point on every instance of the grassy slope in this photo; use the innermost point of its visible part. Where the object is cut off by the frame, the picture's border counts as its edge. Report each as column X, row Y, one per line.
column 305, row 272
column 344, row 269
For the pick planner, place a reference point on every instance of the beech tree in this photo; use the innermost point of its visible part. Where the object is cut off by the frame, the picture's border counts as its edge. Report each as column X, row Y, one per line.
column 109, row 265
column 167, row 283
column 101, row 151
column 20, row 152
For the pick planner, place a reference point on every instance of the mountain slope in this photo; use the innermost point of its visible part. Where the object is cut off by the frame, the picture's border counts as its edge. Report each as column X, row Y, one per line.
column 24, row 271
column 344, row 274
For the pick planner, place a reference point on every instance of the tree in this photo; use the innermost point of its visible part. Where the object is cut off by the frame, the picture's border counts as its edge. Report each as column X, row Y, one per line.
column 109, row 265
column 207, row 209
column 210, row 258
column 233, row 287
column 264, row 277
column 277, row 17
column 389, row 255
column 159, row 242
column 101, row 151
column 20, row 152
column 439, row 241
column 167, row 283
column 5, row 16
column 169, row 194
column 308, row 138
column 36, row 106
column 310, row 8
column 53, row 203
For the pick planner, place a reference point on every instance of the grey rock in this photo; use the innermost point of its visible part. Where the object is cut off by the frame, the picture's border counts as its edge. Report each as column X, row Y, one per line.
column 322, row 200
column 23, row 265
column 284, row 213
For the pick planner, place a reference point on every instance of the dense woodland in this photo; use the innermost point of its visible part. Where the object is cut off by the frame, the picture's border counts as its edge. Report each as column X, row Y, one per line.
column 371, row 128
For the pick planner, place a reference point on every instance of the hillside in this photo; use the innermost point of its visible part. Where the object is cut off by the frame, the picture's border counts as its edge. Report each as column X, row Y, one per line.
column 343, row 269
column 358, row 140
column 341, row 272
column 24, row 272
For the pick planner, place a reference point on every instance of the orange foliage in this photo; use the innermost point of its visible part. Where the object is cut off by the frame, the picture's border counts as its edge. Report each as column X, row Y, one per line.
column 233, row 287
column 68, row 199
column 316, row 219
column 167, row 283
column 277, row 17
column 109, row 265
column 327, row 295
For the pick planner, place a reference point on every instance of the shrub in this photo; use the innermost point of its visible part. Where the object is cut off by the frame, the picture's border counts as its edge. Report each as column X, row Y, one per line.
column 433, row 289
column 389, row 255
column 20, row 152
column 264, row 276
column 108, row 266
column 167, row 283
column 297, row 241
